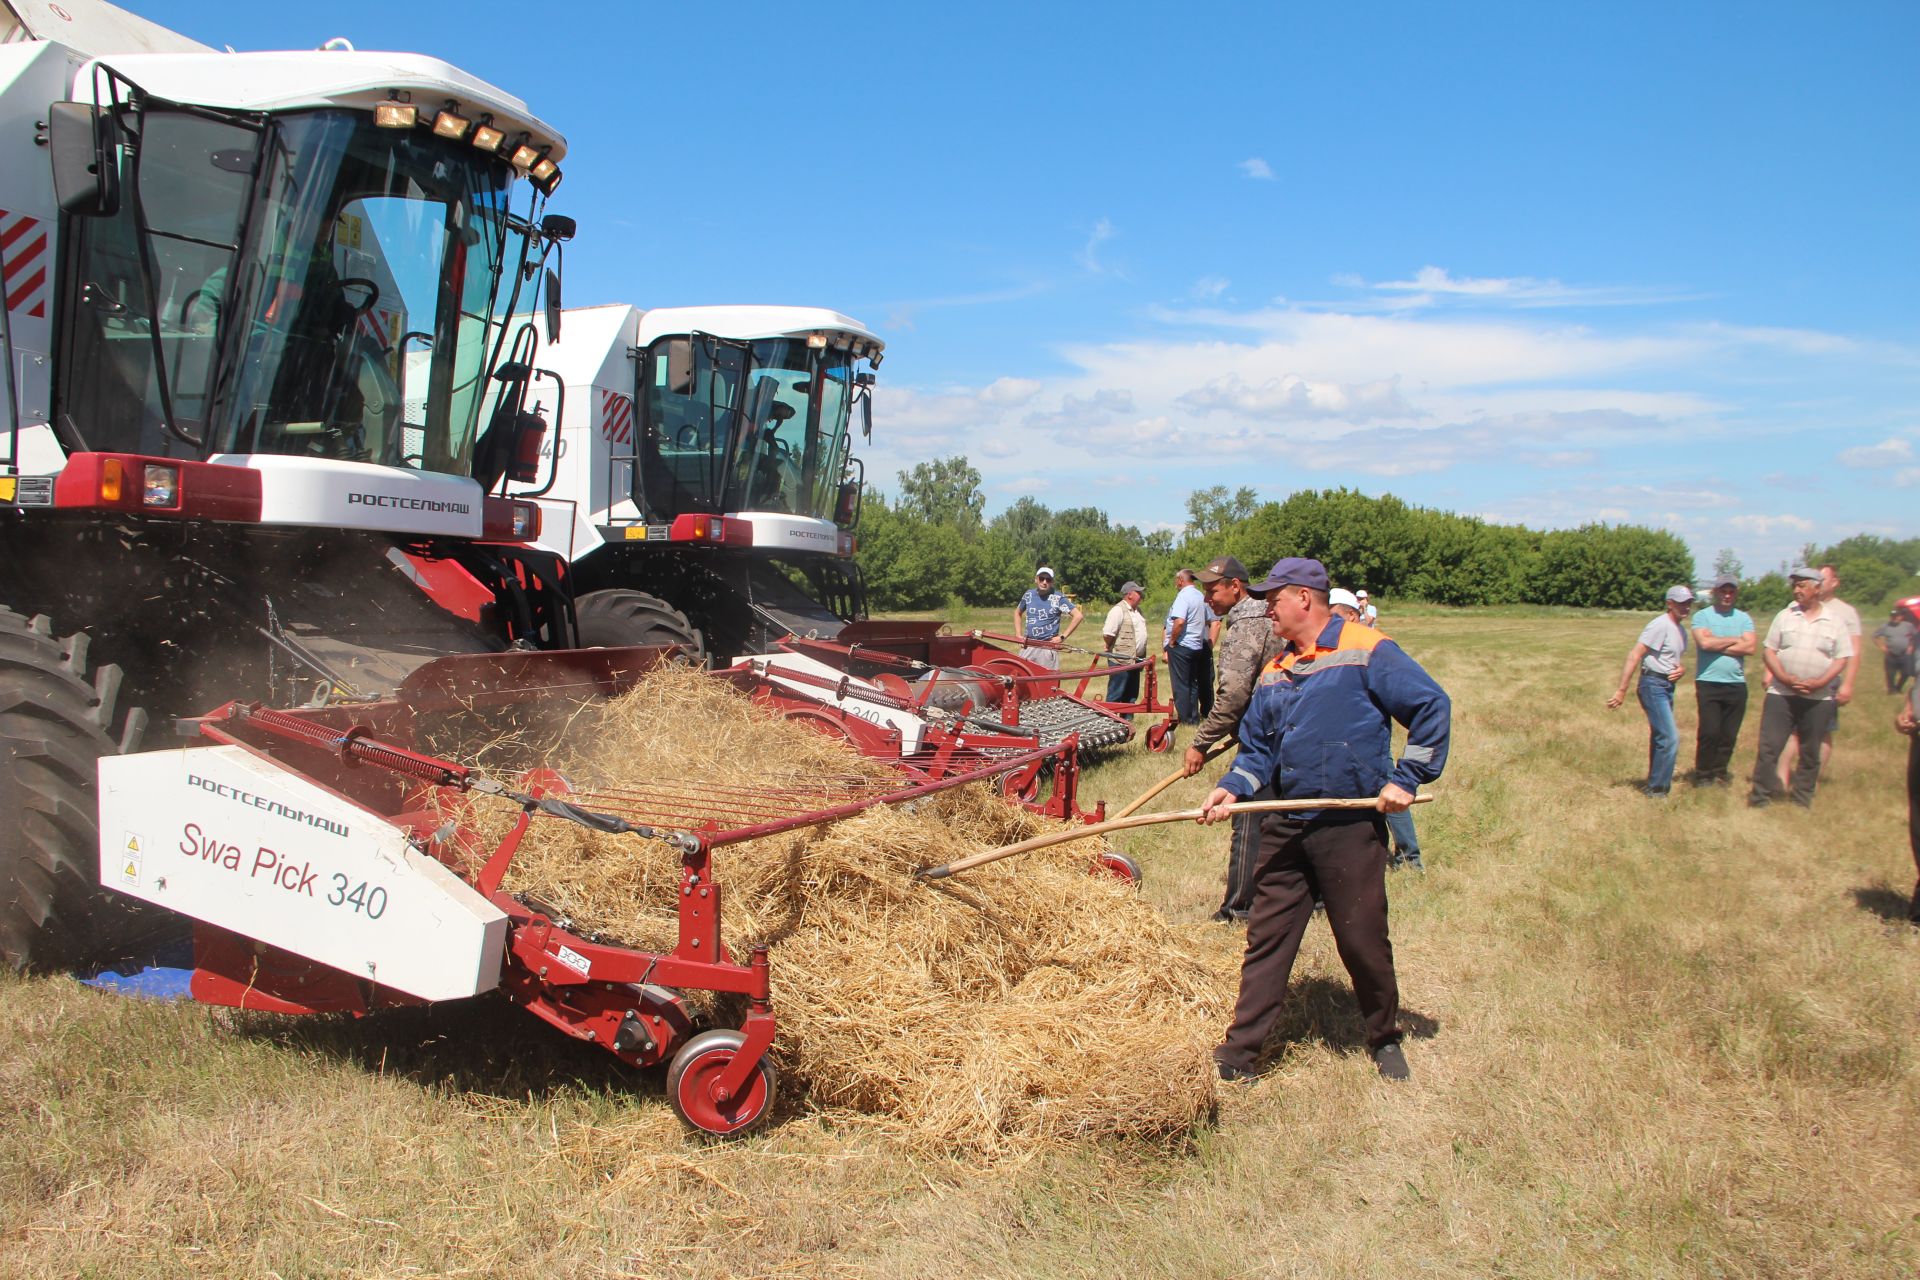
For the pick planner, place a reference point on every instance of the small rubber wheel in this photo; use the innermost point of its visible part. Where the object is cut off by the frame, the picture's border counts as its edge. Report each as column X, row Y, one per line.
column 1118, row 865
column 1160, row 739
column 695, row 1072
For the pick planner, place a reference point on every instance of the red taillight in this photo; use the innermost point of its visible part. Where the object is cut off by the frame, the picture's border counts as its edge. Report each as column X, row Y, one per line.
column 725, row 530
column 158, row 487
column 507, row 520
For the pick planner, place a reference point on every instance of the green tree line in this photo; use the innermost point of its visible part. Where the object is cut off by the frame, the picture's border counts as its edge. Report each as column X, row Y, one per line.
column 929, row 544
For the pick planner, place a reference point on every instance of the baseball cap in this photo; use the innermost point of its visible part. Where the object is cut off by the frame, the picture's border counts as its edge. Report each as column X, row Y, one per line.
column 1361, row 593
column 1679, row 593
column 1131, row 585
column 1340, row 595
column 1725, row 580
column 1293, row 571
column 1224, row 567
column 1043, row 572
column 1801, row 571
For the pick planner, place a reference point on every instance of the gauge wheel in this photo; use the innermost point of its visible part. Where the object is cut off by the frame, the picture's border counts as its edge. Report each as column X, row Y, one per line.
column 695, row 1073
column 57, row 717
column 1118, row 865
column 620, row 616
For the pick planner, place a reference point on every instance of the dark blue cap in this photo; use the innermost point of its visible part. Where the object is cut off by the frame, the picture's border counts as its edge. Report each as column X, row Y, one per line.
column 1294, row 571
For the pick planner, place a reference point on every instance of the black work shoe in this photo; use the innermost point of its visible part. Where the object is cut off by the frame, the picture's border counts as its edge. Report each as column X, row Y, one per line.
column 1237, row 1075
column 1392, row 1062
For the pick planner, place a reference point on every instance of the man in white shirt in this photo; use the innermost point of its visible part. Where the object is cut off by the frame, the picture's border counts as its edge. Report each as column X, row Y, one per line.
column 1847, row 616
column 1808, row 654
column 1124, row 635
column 1656, row 659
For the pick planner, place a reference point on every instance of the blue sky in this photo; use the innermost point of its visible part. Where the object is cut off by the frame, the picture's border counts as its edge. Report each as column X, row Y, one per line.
column 1541, row 263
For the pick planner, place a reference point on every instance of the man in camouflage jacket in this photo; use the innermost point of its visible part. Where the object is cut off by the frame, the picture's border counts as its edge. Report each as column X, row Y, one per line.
column 1246, row 645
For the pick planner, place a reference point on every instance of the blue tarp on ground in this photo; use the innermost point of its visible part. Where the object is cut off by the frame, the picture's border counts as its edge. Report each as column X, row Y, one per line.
column 161, row 976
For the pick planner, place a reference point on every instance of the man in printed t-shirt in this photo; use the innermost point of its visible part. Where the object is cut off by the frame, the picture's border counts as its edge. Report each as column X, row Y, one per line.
column 1657, row 658
column 1722, row 637
column 1036, row 619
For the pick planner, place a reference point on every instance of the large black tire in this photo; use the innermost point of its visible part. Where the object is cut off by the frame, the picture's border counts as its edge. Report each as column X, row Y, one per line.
column 618, row 616
column 56, row 720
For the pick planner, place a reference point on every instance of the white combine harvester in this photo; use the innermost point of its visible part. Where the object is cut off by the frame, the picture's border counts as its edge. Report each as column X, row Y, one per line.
column 703, row 486
column 253, row 305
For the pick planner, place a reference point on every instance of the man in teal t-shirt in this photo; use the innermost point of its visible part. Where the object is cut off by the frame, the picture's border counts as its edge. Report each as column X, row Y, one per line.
column 1723, row 636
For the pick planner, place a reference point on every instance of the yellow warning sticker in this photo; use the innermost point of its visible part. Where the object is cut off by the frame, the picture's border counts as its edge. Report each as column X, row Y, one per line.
column 130, row 859
column 7, row 486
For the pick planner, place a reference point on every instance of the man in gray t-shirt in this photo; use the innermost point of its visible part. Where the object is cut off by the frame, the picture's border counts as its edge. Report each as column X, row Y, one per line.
column 1894, row 638
column 1656, row 658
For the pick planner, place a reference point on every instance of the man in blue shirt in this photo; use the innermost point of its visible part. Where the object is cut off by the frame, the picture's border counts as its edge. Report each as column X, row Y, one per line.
column 1723, row 636
column 1037, row 620
column 1189, row 661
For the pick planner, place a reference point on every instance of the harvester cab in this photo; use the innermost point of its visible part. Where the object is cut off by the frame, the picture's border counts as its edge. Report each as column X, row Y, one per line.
column 703, row 484
column 254, row 305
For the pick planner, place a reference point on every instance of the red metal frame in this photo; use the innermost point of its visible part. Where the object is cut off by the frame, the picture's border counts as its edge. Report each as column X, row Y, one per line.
column 627, row 999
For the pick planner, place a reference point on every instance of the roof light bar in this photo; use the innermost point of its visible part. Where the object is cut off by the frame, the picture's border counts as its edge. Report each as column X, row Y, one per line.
column 486, row 137
column 396, row 113
column 449, row 123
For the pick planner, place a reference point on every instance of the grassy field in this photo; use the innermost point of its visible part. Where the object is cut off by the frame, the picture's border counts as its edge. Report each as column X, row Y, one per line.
column 1648, row 1039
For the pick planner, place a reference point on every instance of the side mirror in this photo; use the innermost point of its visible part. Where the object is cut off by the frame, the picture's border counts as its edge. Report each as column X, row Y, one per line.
column 553, row 305
column 680, row 366
column 84, row 178
column 866, row 417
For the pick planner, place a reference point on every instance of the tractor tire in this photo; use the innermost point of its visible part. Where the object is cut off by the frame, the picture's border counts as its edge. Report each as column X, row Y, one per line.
column 56, row 719
column 618, row 616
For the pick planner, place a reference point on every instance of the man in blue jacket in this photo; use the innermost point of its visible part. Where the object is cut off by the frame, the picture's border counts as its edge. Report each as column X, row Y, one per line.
column 1319, row 726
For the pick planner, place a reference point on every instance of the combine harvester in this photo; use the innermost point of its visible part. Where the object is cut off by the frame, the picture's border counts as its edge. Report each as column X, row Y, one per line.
column 705, row 492
column 253, row 303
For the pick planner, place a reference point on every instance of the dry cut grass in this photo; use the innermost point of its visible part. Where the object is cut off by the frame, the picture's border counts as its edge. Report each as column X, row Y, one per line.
column 1666, row 1040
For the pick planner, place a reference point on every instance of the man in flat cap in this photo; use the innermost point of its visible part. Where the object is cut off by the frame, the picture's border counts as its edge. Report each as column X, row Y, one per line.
column 1320, row 726
column 1246, row 645
column 1809, row 654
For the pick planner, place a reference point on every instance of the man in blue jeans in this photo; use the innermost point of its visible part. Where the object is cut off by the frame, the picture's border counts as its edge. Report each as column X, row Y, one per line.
column 1188, row 621
column 1657, row 658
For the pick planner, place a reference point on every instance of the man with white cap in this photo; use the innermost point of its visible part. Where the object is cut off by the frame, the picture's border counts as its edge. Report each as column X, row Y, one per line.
column 1369, row 616
column 1036, row 619
column 1344, row 604
column 1657, row 658
column 1809, row 654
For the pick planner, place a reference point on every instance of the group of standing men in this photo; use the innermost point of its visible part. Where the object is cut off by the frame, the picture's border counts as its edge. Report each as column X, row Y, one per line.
column 1811, row 655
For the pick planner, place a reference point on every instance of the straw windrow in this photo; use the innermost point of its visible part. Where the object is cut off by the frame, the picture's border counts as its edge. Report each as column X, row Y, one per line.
column 1027, row 1000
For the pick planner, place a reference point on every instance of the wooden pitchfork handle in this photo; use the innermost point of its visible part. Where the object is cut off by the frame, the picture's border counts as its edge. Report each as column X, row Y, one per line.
column 1173, row 777
column 973, row 860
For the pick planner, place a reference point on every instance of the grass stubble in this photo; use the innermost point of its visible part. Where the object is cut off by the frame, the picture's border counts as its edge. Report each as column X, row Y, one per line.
column 1649, row 1039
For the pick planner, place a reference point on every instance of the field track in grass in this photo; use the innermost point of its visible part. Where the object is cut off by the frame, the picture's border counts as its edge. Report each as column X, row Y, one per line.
column 1648, row 1039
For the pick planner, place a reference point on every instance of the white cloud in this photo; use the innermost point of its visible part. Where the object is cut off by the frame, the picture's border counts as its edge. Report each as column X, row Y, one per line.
column 1207, row 288
column 1011, row 391
column 1257, row 169
column 1100, row 407
column 1432, row 283
column 1291, row 397
column 1089, row 255
column 1761, row 526
column 1889, row 452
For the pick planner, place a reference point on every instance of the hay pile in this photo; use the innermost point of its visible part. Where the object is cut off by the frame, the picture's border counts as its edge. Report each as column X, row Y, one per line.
column 1026, row 1000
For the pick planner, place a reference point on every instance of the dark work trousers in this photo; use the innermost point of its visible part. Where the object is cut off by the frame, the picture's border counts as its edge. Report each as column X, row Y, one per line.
column 1786, row 715
column 1243, row 850
column 1723, row 705
column 1899, row 668
column 1913, row 821
column 1192, row 673
column 1345, row 859
column 1124, row 686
